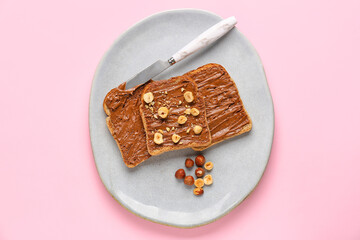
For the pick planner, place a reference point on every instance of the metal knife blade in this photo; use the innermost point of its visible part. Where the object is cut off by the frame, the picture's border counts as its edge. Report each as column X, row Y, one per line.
column 151, row 71
column 203, row 40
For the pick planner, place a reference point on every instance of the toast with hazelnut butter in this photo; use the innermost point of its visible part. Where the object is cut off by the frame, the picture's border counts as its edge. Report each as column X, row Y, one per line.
column 174, row 115
column 225, row 112
column 125, row 124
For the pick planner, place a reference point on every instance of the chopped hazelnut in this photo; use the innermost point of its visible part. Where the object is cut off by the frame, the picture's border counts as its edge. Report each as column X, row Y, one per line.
column 182, row 119
column 158, row 138
column 189, row 97
column 148, row 97
column 197, row 129
column 163, row 112
column 176, row 138
column 195, row 112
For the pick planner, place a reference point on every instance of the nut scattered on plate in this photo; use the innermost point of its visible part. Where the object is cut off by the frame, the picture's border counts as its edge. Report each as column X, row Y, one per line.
column 208, row 180
column 189, row 163
column 200, row 160
column 199, row 182
column 208, row 166
column 199, row 172
column 189, row 180
column 198, row 191
column 180, row 174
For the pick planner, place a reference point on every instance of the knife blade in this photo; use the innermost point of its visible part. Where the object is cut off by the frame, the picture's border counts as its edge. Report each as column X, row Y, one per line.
column 206, row 38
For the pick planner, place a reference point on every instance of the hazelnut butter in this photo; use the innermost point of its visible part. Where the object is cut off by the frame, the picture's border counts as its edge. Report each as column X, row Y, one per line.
column 167, row 118
column 125, row 124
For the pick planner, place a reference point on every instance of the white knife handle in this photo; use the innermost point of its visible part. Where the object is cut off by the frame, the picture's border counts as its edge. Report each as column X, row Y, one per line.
column 204, row 39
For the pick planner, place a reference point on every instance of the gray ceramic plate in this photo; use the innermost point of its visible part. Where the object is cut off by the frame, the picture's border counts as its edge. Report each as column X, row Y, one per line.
column 150, row 190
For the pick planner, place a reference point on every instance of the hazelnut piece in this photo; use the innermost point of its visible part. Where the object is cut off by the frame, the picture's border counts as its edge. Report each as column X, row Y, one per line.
column 180, row 174
column 199, row 182
column 199, row 172
column 148, row 97
column 189, row 97
column 208, row 166
column 163, row 112
column 158, row 138
column 176, row 138
column 194, row 112
column 198, row 191
column 208, row 180
column 189, row 180
column 189, row 163
column 197, row 129
column 182, row 119
column 200, row 160
column 187, row 111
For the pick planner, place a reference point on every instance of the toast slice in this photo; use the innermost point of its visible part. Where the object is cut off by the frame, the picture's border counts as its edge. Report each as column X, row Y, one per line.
column 125, row 124
column 225, row 112
column 174, row 116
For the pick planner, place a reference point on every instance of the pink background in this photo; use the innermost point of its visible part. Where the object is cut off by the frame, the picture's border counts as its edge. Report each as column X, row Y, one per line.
column 49, row 185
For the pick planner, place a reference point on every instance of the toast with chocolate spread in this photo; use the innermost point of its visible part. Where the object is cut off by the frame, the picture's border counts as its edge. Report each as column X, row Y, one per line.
column 174, row 115
column 125, row 124
column 225, row 112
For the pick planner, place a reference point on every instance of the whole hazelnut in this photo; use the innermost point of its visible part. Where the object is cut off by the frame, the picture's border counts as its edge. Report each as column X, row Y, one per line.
column 200, row 160
column 180, row 174
column 199, row 172
column 198, row 191
column 189, row 163
column 189, row 180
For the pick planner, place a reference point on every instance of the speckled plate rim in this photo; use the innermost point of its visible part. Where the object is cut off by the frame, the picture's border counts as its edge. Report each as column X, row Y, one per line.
column 90, row 129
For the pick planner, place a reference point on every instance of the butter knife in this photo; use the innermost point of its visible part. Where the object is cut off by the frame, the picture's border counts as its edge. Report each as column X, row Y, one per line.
column 206, row 38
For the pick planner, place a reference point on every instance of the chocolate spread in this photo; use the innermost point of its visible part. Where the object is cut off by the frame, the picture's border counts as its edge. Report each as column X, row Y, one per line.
column 225, row 111
column 125, row 123
column 170, row 94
